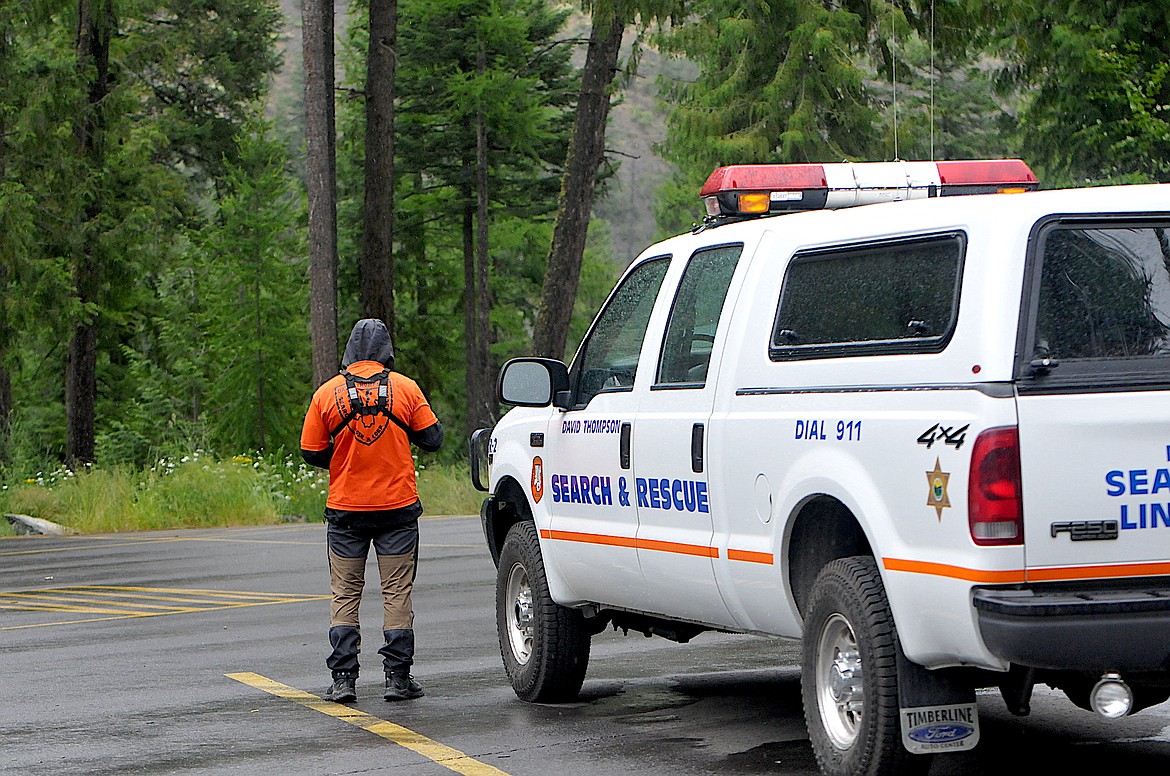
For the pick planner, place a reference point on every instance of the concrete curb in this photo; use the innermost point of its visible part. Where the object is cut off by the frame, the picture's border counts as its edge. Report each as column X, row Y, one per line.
column 23, row 524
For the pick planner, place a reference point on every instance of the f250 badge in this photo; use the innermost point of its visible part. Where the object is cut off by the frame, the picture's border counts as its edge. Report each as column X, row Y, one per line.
column 1086, row 530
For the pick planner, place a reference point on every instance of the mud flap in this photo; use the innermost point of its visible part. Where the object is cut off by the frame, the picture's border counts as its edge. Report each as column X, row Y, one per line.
column 937, row 709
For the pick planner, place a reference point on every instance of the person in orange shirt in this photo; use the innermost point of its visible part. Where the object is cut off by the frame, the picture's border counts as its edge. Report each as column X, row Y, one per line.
column 360, row 426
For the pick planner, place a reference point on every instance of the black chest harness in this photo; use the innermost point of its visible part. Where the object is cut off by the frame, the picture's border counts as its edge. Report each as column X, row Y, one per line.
column 381, row 405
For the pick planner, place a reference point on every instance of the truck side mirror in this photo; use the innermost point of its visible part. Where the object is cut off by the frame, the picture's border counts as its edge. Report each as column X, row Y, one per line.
column 533, row 382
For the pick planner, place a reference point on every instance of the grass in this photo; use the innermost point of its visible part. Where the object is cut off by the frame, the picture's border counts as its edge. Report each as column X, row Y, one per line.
column 199, row 491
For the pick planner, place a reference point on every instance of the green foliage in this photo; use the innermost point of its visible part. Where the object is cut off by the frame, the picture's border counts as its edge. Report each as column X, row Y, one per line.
column 777, row 82
column 183, row 75
column 200, row 491
column 202, row 65
column 1096, row 75
column 524, row 90
column 193, row 491
column 254, row 321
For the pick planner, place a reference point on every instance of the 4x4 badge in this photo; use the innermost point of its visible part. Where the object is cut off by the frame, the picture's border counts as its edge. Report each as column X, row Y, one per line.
column 948, row 435
column 937, row 496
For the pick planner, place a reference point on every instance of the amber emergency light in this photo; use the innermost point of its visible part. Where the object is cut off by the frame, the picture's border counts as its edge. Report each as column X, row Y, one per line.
column 759, row 189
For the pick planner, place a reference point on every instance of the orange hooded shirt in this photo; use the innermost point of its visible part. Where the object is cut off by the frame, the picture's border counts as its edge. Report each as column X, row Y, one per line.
column 372, row 467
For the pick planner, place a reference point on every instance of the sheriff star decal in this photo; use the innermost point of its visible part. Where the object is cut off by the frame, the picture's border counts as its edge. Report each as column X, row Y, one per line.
column 937, row 495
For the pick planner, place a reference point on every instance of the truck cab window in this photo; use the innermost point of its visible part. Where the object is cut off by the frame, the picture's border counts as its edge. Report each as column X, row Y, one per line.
column 893, row 297
column 608, row 360
column 686, row 348
column 1104, row 293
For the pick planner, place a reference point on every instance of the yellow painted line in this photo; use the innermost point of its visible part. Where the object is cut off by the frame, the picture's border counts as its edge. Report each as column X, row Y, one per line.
column 84, row 599
column 78, row 548
column 132, row 607
column 449, row 758
column 35, row 606
column 84, row 620
column 223, row 594
column 240, row 541
column 151, row 614
column 120, row 596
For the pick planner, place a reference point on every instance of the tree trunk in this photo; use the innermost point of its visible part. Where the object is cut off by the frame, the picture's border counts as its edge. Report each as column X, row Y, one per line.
column 377, row 263
column 5, row 411
column 586, row 152
column 95, row 26
column 472, row 334
column 5, row 324
column 317, row 29
column 261, row 367
column 482, row 405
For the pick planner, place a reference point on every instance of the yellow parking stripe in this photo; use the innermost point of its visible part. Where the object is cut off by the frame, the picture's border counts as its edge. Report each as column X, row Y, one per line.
column 132, row 607
column 121, row 602
column 449, row 758
column 218, row 593
column 49, row 606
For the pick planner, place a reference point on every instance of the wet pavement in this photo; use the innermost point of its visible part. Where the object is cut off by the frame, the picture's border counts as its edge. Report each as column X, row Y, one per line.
column 116, row 651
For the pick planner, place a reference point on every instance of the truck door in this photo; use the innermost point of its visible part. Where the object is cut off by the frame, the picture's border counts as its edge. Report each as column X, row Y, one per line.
column 675, row 505
column 587, row 470
column 1094, row 412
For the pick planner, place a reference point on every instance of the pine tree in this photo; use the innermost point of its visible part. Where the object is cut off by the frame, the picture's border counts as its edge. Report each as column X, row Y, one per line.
column 259, row 360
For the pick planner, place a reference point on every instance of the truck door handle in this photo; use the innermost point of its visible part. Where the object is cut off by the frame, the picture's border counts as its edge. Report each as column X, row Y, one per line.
column 697, row 448
column 624, row 453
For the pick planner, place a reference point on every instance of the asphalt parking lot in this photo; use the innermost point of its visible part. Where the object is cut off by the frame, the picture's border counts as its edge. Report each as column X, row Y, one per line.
column 202, row 652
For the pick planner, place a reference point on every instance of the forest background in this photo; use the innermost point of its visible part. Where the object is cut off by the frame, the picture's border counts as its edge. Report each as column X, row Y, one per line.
column 153, row 203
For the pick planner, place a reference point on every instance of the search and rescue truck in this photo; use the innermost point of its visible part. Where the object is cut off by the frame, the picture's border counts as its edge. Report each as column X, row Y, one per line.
column 914, row 414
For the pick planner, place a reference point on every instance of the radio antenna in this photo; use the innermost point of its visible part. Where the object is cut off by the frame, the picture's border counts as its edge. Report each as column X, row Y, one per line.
column 894, row 76
column 933, row 75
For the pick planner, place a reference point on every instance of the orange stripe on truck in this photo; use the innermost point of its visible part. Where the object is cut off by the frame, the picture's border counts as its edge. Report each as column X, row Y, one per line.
column 1011, row 576
column 1099, row 572
column 630, row 541
column 698, row 550
column 588, row 538
column 954, row 572
column 751, row 557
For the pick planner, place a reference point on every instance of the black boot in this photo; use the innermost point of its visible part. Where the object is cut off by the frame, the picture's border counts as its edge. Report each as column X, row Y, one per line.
column 400, row 686
column 344, row 690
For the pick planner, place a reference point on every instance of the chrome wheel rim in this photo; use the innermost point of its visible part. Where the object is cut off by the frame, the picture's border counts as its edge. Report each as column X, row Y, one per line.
column 518, row 600
column 840, row 694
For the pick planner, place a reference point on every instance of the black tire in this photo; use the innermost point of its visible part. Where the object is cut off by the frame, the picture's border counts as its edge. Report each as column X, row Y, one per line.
column 849, row 675
column 545, row 646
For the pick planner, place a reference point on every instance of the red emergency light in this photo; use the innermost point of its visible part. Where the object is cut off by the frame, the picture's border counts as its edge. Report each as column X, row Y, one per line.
column 759, row 189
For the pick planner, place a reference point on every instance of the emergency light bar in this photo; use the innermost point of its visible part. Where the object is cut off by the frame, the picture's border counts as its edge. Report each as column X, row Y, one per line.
column 758, row 189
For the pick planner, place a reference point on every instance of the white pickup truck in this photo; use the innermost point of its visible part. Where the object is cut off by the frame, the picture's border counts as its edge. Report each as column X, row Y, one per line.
column 913, row 414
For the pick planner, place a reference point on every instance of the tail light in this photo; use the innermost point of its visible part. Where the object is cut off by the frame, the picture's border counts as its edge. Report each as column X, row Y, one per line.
column 994, row 503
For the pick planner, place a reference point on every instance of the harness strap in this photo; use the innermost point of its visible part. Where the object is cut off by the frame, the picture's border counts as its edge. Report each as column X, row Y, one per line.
column 381, row 406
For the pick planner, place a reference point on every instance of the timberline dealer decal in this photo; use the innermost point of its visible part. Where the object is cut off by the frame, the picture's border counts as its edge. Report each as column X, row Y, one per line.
column 927, row 729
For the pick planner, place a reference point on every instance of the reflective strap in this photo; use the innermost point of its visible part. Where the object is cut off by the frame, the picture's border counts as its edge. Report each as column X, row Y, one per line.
column 381, row 406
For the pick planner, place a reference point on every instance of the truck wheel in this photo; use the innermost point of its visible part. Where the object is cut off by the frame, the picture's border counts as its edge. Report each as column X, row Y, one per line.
column 849, row 678
column 545, row 646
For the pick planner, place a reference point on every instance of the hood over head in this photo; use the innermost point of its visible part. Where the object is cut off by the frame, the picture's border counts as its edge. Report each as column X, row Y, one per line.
column 369, row 341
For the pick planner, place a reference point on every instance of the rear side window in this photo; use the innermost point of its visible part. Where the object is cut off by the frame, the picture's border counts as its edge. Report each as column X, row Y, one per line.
column 891, row 297
column 1104, row 292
